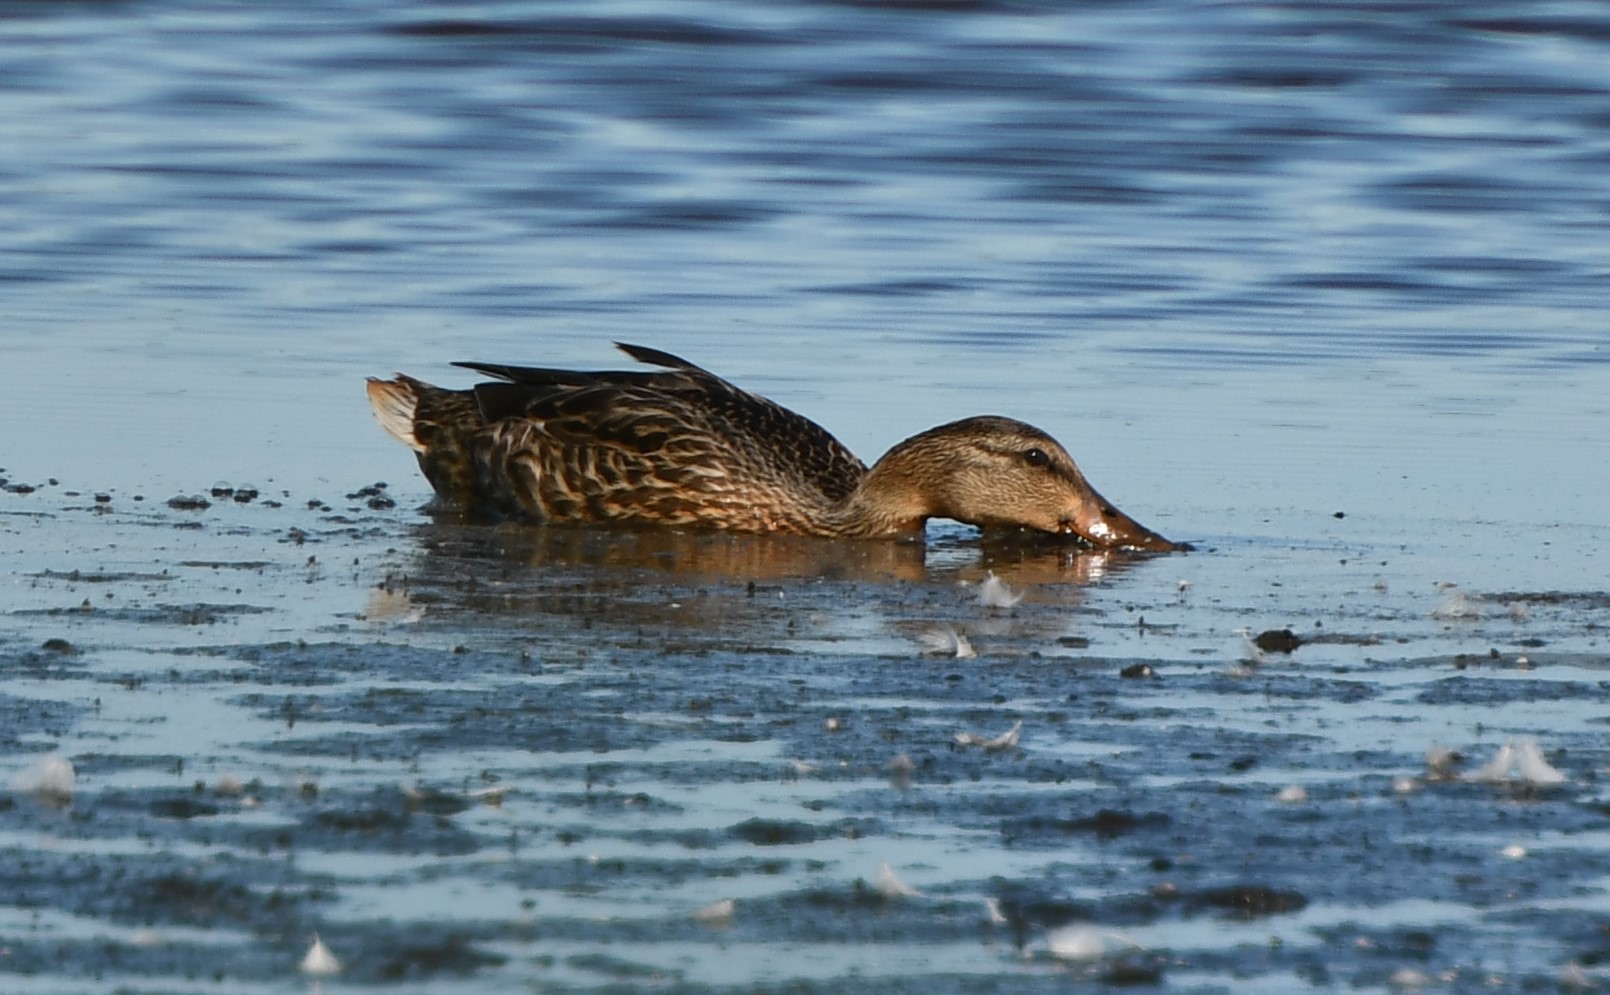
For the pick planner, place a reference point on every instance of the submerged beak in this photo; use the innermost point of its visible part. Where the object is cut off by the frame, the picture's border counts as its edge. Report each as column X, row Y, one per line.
column 1096, row 521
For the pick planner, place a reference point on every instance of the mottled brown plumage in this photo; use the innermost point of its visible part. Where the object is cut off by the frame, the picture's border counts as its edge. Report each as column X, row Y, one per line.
column 680, row 446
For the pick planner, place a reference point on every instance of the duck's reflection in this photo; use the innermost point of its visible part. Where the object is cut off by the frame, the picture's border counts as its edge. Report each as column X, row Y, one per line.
column 752, row 589
column 955, row 553
column 690, row 555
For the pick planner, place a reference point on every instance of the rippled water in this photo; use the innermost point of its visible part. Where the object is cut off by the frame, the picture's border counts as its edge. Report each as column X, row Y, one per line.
column 1257, row 264
column 1119, row 220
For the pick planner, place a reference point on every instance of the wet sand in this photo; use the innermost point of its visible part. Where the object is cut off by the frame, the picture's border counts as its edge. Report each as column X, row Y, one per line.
column 526, row 759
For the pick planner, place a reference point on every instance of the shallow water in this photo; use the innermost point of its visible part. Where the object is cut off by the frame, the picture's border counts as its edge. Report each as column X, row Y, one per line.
column 1319, row 291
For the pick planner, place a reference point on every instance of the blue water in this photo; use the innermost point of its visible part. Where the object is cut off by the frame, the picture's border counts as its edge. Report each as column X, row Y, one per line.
column 1257, row 264
column 1217, row 248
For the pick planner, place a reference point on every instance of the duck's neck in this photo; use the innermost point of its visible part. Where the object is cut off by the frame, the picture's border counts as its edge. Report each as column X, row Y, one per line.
column 892, row 499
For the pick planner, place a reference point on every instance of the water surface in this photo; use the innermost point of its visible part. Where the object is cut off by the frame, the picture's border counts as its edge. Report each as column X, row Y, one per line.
column 1321, row 291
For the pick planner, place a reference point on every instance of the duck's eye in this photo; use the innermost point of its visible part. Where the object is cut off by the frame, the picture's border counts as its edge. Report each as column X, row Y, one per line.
column 1036, row 457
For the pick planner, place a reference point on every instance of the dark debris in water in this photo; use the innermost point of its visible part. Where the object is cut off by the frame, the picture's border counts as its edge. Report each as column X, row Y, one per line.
column 1278, row 641
column 189, row 502
column 1249, row 901
column 772, row 832
column 187, row 615
column 1105, row 824
column 449, row 953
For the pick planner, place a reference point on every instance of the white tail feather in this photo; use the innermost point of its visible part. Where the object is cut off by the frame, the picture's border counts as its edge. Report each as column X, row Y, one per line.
column 393, row 402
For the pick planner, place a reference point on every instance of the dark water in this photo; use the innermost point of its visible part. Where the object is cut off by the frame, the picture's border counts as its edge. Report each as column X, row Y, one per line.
column 1256, row 264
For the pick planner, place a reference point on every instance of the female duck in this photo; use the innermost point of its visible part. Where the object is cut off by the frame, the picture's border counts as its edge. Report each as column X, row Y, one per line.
column 683, row 447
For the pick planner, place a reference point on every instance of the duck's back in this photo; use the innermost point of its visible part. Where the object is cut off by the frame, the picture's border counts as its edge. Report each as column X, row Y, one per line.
column 678, row 446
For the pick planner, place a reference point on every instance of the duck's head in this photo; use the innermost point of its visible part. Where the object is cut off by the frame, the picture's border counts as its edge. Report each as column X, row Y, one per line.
column 993, row 471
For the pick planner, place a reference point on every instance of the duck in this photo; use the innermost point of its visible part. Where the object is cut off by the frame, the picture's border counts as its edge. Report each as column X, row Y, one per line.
column 678, row 446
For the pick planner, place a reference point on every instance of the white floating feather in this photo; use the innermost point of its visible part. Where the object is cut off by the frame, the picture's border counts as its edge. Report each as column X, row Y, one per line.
column 946, row 641
column 1496, row 770
column 1408, row 977
column 1251, row 651
column 1522, row 757
column 1574, row 978
column 51, row 779
column 147, row 938
column 1086, row 943
column 1457, row 605
column 319, row 961
column 891, row 886
column 994, row 593
column 992, row 909
column 1005, row 741
column 1535, row 770
column 715, row 913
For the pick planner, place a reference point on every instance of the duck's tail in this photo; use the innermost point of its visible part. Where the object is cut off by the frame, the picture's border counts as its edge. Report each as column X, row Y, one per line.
column 394, row 403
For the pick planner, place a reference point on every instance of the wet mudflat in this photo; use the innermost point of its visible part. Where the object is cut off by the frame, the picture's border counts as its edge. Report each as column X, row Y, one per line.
column 503, row 758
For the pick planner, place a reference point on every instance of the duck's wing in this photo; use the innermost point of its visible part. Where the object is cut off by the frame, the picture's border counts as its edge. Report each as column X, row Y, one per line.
column 544, row 376
column 703, row 418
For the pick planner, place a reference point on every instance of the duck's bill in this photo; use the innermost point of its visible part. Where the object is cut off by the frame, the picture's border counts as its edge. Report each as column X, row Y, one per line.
column 1097, row 522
